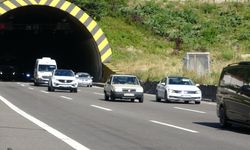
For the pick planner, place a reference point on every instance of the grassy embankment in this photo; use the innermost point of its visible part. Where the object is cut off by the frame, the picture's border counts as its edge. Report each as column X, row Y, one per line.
column 143, row 38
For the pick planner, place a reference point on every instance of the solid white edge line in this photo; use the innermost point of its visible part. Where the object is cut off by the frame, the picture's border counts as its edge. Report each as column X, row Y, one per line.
column 44, row 92
column 103, row 108
column 98, row 93
column 173, row 126
column 74, row 144
column 197, row 111
column 65, row 97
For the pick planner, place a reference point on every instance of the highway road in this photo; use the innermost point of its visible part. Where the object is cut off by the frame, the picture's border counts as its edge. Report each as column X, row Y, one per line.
column 31, row 118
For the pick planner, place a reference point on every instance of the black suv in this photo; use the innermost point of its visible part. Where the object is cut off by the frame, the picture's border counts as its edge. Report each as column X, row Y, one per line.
column 233, row 95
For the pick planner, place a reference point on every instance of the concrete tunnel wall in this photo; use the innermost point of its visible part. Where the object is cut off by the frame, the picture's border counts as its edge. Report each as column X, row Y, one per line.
column 81, row 47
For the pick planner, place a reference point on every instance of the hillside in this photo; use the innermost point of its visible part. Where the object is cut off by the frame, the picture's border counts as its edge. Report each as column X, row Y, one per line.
column 144, row 37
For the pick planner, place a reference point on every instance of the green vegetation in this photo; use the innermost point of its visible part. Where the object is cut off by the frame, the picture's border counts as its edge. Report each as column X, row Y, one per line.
column 150, row 38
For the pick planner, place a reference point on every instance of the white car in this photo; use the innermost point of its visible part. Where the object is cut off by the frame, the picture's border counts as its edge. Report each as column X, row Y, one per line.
column 123, row 87
column 175, row 88
column 63, row 79
column 84, row 79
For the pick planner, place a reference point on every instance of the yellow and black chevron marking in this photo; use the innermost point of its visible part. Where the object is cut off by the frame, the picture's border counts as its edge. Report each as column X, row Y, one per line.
column 84, row 18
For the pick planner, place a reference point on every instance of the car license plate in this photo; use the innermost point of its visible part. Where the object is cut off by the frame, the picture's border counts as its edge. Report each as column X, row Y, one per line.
column 129, row 94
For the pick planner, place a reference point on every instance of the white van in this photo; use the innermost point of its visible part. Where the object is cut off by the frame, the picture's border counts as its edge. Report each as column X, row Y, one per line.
column 43, row 70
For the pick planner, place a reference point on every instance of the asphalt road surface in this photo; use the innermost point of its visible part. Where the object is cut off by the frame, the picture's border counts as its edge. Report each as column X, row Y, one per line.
column 31, row 118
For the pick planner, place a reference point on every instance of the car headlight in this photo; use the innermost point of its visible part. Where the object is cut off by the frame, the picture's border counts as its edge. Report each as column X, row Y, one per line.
column 117, row 89
column 13, row 73
column 198, row 92
column 1, row 72
column 174, row 91
column 27, row 75
column 140, row 90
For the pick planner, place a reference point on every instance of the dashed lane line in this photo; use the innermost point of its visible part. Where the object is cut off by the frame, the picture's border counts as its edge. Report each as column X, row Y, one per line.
column 98, row 93
column 31, row 88
column 65, row 97
column 173, row 126
column 44, row 92
column 197, row 111
column 71, row 142
column 103, row 108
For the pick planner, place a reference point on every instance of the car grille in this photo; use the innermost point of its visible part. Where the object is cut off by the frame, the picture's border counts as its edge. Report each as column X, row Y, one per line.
column 46, row 77
column 128, row 90
column 189, row 92
column 65, row 81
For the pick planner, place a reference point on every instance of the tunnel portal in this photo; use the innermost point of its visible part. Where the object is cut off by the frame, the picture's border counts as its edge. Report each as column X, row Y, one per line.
column 31, row 29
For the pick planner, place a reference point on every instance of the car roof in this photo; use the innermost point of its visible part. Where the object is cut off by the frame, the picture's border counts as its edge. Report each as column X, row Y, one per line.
column 122, row 75
column 82, row 73
column 63, row 70
column 177, row 77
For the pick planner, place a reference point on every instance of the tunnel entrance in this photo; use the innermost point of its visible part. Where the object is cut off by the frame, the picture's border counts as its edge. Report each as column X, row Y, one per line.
column 35, row 31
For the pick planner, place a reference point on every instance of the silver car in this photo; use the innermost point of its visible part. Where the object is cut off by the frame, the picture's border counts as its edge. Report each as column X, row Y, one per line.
column 175, row 88
column 84, row 79
column 123, row 87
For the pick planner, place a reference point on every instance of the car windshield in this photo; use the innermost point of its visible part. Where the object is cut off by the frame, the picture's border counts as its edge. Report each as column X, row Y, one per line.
column 84, row 75
column 125, row 80
column 46, row 68
column 64, row 73
column 179, row 81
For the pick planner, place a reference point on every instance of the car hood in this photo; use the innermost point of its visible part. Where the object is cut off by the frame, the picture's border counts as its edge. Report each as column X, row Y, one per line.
column 64, row 78
column 183, row 87
column 126, row 86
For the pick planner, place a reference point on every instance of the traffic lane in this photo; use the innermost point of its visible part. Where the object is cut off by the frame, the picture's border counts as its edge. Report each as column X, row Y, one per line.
column 17, row 132
column 206, row 137
column 113, row 131
column 205, row 123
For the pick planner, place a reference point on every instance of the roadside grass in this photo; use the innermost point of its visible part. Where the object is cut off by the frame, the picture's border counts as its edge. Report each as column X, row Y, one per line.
column 138, row 50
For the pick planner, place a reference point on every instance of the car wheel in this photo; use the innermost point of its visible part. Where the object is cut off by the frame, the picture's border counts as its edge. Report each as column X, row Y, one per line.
column 157, row 97
column 52, row 89
column 106, row 97
column 90, row 85
column 112, row 96
column 35, row 83
column 141, row 99
column 49, row 88
column 186, row 102
column 132, row 100
column 197, row 102
column 166, row 97
column 75, row 90
column 223, row 118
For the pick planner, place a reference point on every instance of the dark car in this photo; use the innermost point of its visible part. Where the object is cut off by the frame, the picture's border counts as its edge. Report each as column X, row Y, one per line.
column 7, row 73
column 233, row 95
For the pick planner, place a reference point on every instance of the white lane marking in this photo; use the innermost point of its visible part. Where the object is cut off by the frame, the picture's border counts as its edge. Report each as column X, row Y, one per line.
column 71, row 142
column 209, row 103
column 66, row 97
column 173, row 126
column 103, row 108
column 22, row 84
column 44, row 92
column 97, row 87
column 31, row 88
column 98, row 93
column 197, row 111
column 18, row 83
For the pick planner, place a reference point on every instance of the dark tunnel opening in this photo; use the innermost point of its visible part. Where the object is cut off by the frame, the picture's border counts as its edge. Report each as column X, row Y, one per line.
column 32, row 32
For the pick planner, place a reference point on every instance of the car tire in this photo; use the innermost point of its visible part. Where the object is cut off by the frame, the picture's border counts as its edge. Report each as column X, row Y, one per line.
column 49, row 88
column 35, row 83
column 90, row 85
column 166, row 97
column 112, row 96
column 157, row 97
column 106, row 97
column 197, row 102
column 52, row 89
column 132, row 100
column 75, row 90
column 141, row 99
column 186, row 102
column 223, row 118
